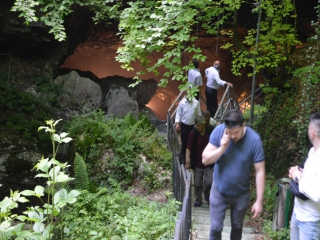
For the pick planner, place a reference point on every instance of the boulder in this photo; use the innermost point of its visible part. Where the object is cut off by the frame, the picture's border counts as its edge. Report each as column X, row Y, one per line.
column 119, row 103
column 142, row 93
column 81, row 93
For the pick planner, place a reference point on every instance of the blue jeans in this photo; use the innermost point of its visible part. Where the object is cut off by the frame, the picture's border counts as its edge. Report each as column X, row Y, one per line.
column 218, row 206
column 304, row 230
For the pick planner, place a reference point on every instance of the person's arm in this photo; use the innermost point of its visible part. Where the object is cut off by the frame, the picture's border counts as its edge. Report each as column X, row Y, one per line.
column 188, row 150
column 188, row 163
column 178, row 117
column 220, row 81
column 212, row 153
column 309, row 185
column 200, row 83
column 260, row 185
column 199, row 113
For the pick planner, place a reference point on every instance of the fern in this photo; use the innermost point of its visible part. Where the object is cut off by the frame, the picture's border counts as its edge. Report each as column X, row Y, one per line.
column 81, row 173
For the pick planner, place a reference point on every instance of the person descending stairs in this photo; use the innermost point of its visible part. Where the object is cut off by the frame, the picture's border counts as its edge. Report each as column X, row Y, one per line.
column 201, row 225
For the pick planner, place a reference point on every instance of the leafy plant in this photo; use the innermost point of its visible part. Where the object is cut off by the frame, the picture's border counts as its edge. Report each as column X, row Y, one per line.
column 270, row 195
column 114, row 148
column 41, row 218
column 169, row 27
column 118, row 215
column 283, row 234
column 82, row 181
column 22, row 112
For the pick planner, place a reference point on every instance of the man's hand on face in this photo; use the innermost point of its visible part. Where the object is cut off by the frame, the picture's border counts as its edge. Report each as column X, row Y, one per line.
column 224, row 142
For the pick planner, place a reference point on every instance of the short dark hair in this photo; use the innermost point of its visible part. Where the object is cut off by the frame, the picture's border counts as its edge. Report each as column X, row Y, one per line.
column 234, row 118
column 315, row 121
column 195, row 63
column 206, row 114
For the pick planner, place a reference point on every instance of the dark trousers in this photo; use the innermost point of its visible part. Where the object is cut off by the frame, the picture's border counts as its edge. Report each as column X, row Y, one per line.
column 218, row 206
column 185, row 131
column 212, row 100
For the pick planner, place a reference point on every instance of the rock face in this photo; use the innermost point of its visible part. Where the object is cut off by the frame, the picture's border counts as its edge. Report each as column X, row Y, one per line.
column 119, row 102
column 82, row 92
column 142, row 93
column 35, row 39
column 113, row 95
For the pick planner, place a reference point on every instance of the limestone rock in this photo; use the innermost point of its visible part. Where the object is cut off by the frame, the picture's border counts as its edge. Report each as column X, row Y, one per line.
column 82, row 92
column 119, row 102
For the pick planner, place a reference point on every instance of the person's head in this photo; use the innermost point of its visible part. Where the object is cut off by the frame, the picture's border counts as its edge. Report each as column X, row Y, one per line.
column 235, row 125
column 314, row 127
column 195, row 62
column 206, row 115
column 216, row 64
column 200, row 123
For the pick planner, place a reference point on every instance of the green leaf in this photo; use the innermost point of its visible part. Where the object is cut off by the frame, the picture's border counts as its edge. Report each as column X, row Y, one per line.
column 39, row 191
column 73, row 194
column 23, row 200
column 38, row 227
column 66, row 140
column 27, row 193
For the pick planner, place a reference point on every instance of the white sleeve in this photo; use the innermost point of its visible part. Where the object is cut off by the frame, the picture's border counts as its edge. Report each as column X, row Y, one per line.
column 178, row 113
column 309, row 183
column 218, row 79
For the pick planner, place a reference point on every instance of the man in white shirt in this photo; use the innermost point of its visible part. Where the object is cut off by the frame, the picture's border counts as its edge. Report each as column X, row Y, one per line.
column 195, row 78
column 305, row 220
column 186, row 114
column 213, row 85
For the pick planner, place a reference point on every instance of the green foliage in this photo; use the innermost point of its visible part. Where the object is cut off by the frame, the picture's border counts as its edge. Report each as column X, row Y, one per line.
column 21, row 111
column 41, row 218
column 285, row 137
column 283, row 234
column 168, row 27
column 276, row 38
column 53, row 13
column 270, row 195
column 259, row 111
column 48, row 90
column 278, row 132
column 80, row 173
column 118, row 215
column 114, row 148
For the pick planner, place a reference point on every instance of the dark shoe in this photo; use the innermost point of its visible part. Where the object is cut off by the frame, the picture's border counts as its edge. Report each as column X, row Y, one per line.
column 196, row 204
column 206, row 198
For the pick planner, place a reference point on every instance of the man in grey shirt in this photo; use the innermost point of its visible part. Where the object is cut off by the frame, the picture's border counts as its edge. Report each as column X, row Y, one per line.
column 213, row 85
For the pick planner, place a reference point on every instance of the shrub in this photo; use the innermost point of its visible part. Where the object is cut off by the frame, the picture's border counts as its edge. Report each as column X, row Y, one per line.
column 118, row 215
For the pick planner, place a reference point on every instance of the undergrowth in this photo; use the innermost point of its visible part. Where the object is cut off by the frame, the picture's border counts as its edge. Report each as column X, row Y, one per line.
column 119, row 151
column 118, row 215
column 22, row 112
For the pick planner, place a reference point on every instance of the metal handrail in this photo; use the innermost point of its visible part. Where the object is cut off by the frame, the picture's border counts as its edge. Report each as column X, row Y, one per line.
column 181, row 178
column 228, row 102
